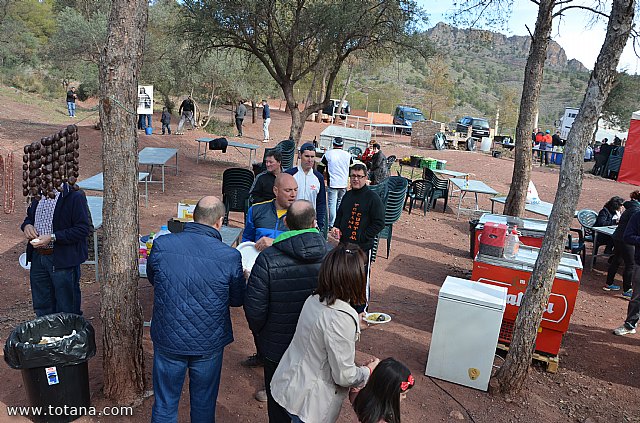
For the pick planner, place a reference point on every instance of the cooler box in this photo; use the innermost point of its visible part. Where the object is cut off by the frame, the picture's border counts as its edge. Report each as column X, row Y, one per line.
column 514, row 274
column 493, row 238
column 465, row 332
column 531, row 231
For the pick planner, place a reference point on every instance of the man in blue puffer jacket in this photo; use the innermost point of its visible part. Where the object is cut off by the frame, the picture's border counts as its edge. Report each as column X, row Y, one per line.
column 196, row 277
column 265, row 221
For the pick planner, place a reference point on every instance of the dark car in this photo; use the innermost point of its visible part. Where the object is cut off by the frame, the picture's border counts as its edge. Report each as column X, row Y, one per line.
column 407, row 116
column 479, row 126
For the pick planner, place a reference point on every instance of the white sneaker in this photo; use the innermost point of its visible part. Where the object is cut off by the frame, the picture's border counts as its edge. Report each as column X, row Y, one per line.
column 261, row 395
column 623, row 330
column 265, row 140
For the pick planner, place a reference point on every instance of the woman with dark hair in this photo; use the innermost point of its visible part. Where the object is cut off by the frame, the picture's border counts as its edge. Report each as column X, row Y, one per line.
column 608, row 216
column 623, row 252
column 317, row 370
column 379, row 400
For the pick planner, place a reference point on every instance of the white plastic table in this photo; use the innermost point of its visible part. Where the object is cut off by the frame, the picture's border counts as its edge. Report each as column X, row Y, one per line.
column 95, row 210
column 156, row 156
column 96, row 183
column 476, row 187
column 234, row 144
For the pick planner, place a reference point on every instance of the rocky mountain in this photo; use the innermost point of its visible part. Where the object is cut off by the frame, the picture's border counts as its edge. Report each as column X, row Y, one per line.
column 514, row 48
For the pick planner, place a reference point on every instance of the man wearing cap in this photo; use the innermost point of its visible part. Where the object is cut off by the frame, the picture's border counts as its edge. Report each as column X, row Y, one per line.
column 337, row 162
column 310, row 183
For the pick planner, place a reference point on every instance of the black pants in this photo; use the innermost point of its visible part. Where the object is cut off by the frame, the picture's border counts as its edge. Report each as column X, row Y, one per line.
column 633, row 311
column 622, row 253
column 239, row 125
column 544, row 156
column 277, row 414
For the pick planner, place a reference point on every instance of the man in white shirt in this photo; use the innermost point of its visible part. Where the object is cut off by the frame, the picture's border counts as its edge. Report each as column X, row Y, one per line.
column 310, row 183
column 337, row 162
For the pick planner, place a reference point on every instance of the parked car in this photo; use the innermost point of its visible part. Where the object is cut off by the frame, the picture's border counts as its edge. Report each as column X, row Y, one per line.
column 407, row 116
column 334, row 108
column 479, row 126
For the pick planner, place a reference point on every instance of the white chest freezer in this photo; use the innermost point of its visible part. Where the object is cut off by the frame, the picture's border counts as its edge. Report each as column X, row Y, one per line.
column 465, row 332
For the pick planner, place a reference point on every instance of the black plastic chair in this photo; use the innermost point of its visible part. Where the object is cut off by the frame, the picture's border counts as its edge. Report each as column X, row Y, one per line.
column 440, row 189
column 390, row 161
column 355, row 152
column 288, row 150
column 394, row 203
column 236, row 183
column 419, row 191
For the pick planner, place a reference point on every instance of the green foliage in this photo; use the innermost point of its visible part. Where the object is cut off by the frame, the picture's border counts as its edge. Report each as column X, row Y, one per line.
column 622, row 100
column 220, row 128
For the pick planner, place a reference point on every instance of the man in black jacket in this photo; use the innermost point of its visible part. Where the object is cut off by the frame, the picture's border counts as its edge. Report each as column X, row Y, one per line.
column 282, row 278
column 632, row 237
column 186, row 112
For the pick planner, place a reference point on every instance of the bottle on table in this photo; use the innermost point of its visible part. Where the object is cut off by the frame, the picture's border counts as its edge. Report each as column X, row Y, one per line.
column 164, row 230
column 512, row 244
column 150, row 242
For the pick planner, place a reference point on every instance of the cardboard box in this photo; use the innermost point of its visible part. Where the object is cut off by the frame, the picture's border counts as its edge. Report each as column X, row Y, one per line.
column 186, row 208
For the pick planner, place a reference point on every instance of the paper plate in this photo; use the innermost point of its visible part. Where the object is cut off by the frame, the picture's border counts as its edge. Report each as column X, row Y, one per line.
column 23, row 261
column 372, row 318
column 249, row 254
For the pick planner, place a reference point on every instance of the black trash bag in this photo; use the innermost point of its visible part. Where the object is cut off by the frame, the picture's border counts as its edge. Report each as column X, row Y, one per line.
column 439, row 141
column 22, row 351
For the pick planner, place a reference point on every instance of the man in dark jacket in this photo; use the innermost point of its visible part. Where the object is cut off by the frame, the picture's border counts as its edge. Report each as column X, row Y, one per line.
column 632, row 236
column 57, row 230
column 623, row 252
column 241, row 112
column 379, row 170
column 262, row 188
column 186, row 111
column 360, row 217
column 282, row 278
column 196, row 277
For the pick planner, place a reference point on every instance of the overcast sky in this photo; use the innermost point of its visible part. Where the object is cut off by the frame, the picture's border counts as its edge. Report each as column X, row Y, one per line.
column 579, row 40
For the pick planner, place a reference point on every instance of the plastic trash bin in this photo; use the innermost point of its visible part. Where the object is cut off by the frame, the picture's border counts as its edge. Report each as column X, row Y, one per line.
column 148, row 130
column 55, row 374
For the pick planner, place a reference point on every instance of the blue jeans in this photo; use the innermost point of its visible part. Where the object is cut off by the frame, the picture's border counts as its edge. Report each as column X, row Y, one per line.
column 53, row 290
column 168, row 378
column 141, row 121
column 71, row 108
column 334, row 197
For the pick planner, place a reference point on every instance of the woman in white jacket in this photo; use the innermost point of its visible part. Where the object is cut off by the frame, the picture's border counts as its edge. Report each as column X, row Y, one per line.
column 317, row 370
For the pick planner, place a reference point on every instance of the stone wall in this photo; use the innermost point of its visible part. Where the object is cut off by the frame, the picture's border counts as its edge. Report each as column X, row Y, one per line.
column 422, row 133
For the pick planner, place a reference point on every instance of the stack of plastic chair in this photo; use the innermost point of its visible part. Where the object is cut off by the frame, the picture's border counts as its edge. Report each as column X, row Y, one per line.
column 288, row 150
column 236, row 183
column 440, row 189
column 394, row 202
column 419, row 191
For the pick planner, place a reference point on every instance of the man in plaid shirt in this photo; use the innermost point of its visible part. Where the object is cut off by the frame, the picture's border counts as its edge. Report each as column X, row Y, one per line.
column 57, row 231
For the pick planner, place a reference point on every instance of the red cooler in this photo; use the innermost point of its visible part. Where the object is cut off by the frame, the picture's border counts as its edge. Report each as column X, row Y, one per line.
column 514, row 274
column 531, row 231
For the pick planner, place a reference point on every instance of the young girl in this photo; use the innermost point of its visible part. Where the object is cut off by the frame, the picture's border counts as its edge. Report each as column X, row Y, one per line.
column 379, row 400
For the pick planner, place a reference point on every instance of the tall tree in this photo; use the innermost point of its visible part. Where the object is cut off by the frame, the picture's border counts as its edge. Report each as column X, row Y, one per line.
column 439, row 88
column 620, row 104
column 296, row 38
column 120, row 64
column 512, row 374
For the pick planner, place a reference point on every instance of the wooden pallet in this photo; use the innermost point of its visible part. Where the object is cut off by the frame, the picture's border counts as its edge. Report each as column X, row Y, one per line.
column 551, row 362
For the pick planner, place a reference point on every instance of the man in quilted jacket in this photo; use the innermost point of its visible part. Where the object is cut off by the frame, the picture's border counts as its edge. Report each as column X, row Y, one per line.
column 196, row 278
column 282, row 278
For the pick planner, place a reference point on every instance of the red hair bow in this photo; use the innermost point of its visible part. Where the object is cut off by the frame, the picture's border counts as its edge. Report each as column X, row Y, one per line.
column 405, row 385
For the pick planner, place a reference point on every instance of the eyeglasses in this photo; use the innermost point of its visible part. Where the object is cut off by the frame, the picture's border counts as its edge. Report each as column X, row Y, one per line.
column 357, row 176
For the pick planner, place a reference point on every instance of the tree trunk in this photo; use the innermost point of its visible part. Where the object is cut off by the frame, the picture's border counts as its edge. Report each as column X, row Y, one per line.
column 254, row 111
column 512, row 374
column 323, row 88
column 346, row 87
column 123, row 365
column 533, row 75
column 297, row 121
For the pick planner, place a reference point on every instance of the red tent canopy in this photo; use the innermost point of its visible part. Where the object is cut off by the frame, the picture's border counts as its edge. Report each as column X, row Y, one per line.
column 630, row 169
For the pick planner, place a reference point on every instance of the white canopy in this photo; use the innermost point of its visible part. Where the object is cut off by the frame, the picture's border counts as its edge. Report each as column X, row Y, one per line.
column 635, row 115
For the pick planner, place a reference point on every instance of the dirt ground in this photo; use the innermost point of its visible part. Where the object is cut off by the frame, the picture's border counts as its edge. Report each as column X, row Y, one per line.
column 599, row 375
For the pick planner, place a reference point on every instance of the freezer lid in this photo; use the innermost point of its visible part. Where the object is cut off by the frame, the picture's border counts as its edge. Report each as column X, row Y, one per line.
column 524, row 224
column 529, row 255
column 525, row 261
column 474, row 293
